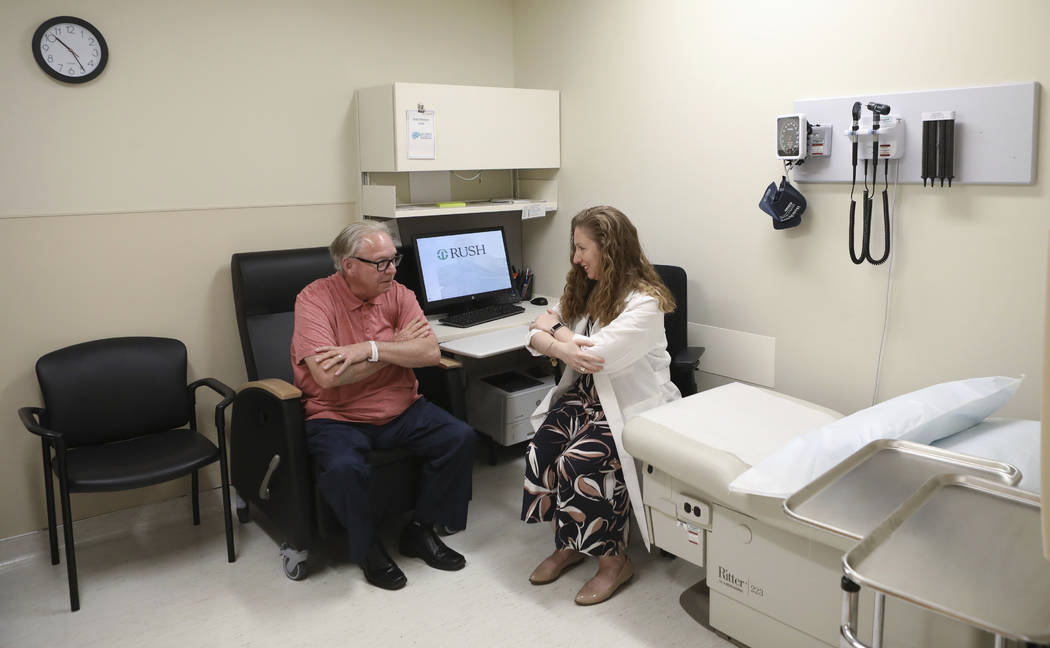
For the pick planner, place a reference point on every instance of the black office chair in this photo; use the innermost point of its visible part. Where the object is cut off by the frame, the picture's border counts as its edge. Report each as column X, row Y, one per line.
column 271, row 466
column 684, row 358
column 118, row 414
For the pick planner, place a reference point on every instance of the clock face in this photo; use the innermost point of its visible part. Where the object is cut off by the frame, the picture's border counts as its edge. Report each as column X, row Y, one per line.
column 70, row 49
column 788, row 129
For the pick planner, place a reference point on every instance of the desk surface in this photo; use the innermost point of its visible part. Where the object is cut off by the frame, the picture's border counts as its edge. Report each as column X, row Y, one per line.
column 490, row 338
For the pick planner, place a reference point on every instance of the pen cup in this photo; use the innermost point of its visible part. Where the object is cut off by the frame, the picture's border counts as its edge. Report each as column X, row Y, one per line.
column 526, row 287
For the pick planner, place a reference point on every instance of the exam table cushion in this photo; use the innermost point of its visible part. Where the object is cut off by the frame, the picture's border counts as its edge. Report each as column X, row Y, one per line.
column 1012, row 441
column 708, row 439
column 921, row 416
column 735, row 418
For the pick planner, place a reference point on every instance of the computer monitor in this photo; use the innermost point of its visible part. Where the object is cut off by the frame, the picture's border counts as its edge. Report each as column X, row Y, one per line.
column 463, row 269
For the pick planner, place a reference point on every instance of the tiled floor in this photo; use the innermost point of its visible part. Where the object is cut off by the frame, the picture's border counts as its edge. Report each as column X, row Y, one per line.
column 149, row 578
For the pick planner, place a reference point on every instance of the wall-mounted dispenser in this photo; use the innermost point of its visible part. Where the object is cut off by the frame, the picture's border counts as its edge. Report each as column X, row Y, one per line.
column 938, row 146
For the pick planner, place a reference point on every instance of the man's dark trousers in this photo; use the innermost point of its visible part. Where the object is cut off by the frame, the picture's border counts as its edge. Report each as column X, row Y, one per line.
column 445, row 443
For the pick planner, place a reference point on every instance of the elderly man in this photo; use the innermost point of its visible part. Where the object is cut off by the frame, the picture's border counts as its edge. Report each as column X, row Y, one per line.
column 358, row 334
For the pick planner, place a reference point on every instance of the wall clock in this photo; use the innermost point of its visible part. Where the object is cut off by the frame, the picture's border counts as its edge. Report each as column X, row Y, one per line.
column 70, row 49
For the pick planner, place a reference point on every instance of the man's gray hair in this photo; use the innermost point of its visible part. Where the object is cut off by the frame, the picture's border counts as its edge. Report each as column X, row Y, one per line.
column 348, row 242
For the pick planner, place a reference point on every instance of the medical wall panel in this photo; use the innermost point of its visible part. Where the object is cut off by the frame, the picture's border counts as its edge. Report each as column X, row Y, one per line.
column 995, row 133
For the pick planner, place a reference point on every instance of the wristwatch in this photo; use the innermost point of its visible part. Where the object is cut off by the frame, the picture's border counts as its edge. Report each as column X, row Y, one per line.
column 554, row 329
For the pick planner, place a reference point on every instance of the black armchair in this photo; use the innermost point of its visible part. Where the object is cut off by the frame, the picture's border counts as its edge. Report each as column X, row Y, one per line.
column 684, row 358
column 272, row 469
column 118, row 414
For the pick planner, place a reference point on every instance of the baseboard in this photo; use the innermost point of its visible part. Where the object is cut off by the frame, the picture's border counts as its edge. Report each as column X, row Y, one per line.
column 29, row 546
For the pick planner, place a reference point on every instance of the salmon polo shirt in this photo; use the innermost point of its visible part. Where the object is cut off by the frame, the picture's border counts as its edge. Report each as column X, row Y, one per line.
column 327, row 313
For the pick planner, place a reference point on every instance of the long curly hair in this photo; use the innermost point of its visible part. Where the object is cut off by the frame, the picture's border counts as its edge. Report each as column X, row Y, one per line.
column 624, row 269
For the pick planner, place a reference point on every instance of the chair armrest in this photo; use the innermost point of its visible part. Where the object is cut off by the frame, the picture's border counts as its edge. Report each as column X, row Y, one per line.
column 449, row 363
column 688, row 357
column 217, row 386
column 227, row 398
column 30, row 419
column 279, row 388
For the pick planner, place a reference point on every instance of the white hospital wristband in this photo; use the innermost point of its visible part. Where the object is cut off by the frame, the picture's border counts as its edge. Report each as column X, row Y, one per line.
column 375, row 352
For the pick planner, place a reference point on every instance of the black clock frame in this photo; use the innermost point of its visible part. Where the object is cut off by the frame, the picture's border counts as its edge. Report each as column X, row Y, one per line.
column 38, row 36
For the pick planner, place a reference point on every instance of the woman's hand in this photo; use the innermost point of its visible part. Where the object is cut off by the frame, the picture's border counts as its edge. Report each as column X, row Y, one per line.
column 546, row 321
column 574, row 354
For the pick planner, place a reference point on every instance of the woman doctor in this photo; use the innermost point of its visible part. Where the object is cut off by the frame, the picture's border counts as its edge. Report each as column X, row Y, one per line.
column 608, row 329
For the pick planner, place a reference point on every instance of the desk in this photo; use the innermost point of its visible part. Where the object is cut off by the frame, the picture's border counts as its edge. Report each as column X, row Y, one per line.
column 462, row 342
column 485, row 349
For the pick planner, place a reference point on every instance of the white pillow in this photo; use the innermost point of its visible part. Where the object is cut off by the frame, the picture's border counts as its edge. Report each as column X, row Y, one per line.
column 922, row 416
column 1011, row 441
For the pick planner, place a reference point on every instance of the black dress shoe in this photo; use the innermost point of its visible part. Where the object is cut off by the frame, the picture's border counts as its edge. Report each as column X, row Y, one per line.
column 381, row 570
column 420, row 541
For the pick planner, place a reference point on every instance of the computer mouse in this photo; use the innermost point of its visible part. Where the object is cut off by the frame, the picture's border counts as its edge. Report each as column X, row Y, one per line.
column 539, row 301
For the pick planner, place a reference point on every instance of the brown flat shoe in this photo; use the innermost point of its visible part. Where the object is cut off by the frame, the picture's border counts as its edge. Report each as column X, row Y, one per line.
column 543, row 575
column 589, row 595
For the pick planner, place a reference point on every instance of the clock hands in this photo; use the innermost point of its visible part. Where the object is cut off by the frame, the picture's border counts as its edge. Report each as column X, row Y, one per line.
column 71, row 52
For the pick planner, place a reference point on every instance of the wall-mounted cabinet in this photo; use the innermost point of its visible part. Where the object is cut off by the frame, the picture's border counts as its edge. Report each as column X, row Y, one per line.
column 413, row 137
column 473, row 127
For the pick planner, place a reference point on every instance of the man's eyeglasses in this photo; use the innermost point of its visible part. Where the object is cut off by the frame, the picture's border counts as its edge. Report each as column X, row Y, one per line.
column 382, row 264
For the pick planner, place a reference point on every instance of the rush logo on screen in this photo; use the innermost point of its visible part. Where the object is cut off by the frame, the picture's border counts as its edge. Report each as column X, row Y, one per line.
column 461, row 252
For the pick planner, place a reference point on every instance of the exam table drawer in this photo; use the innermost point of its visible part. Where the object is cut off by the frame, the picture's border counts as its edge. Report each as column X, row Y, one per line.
column 682, row 539
column 678, row 520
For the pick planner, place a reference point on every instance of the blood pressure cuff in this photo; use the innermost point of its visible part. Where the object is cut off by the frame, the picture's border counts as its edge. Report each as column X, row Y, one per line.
column 784, row 204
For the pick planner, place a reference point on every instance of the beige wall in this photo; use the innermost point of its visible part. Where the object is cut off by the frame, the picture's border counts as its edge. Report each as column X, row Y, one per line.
column 667, row 112
column 222, row 127
column 218, row 127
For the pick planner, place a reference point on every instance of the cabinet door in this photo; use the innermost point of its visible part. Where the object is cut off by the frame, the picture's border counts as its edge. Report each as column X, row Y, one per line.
column 475, row 127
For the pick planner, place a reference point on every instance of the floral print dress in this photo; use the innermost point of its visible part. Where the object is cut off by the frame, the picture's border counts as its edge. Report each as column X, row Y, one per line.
column 573, row 476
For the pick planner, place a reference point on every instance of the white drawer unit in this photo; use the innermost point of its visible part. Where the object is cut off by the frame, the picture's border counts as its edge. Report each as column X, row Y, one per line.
column 500, row 405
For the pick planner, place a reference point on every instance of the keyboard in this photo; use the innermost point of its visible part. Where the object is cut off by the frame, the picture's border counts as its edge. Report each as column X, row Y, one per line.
column 481, row 315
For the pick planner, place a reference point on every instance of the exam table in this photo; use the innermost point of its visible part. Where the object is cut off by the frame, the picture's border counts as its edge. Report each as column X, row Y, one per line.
column 772, row 580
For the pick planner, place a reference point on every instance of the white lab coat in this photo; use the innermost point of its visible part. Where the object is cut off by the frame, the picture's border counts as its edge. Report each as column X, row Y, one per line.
column 635, row 378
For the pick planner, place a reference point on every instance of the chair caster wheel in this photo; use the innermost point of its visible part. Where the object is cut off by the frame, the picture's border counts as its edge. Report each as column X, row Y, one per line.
column 296, row 572
column 294, row 563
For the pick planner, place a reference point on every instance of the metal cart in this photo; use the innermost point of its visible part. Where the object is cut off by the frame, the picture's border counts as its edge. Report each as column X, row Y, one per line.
column 965, row 547
column 855, row 496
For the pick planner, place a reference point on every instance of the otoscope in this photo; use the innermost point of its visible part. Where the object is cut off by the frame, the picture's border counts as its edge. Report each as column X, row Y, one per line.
column 877, row 109
column 853, row 203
